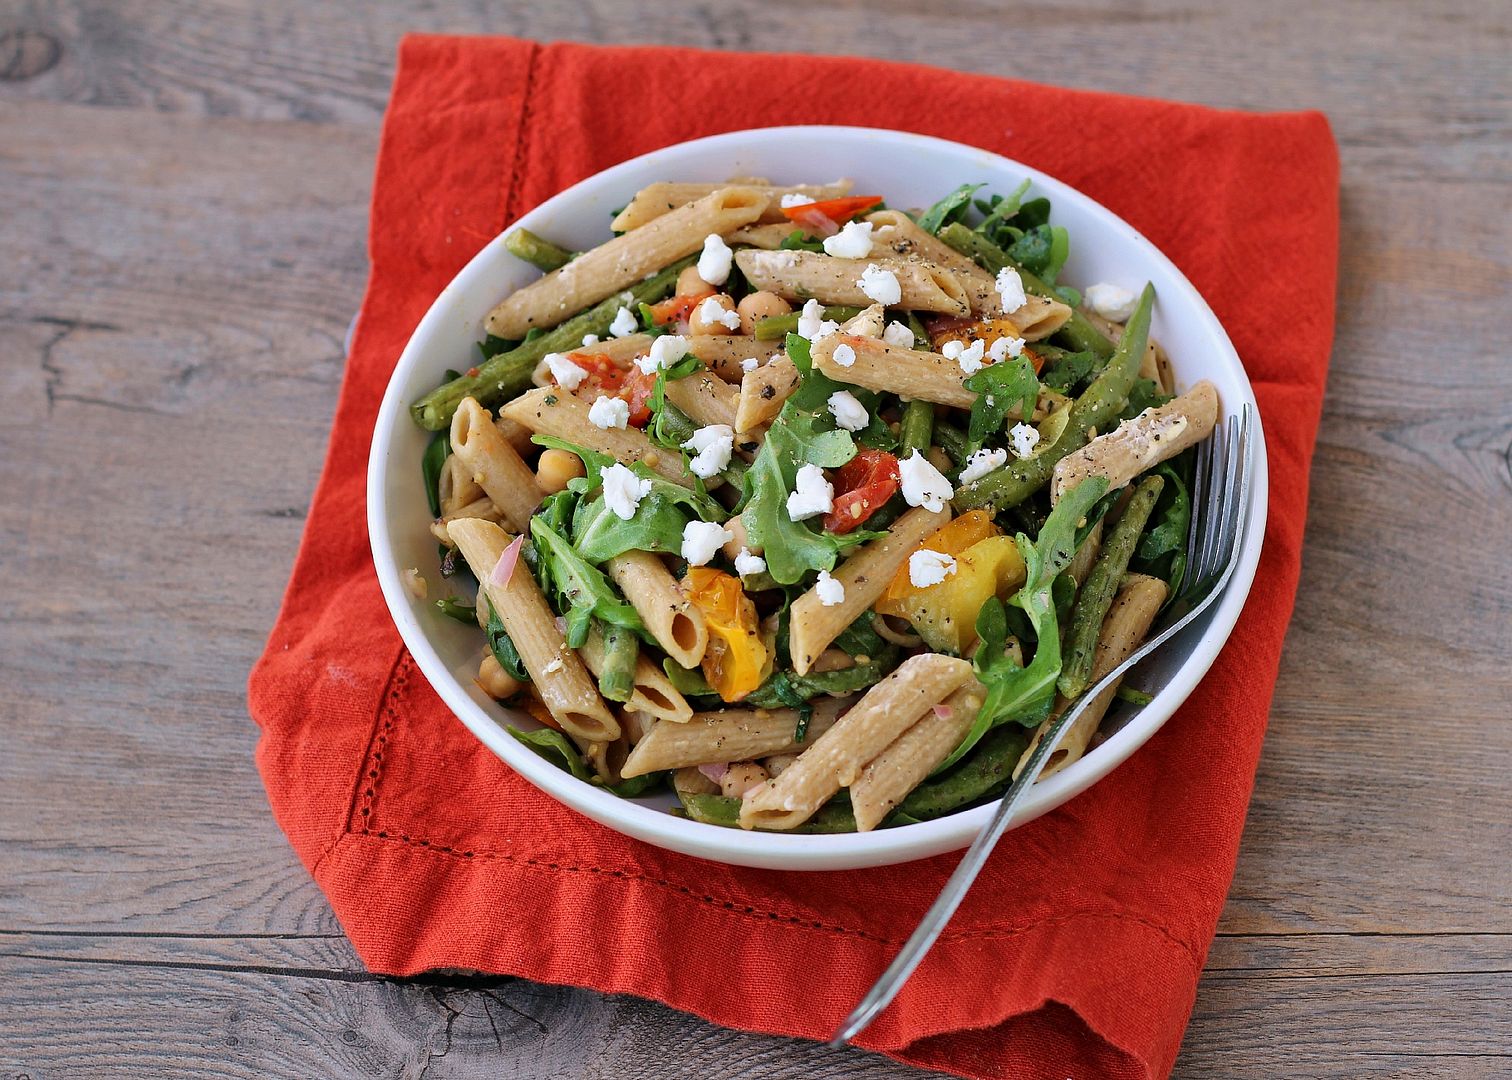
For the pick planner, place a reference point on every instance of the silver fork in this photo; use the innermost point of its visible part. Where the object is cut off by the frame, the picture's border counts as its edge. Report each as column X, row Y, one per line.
column 1220, row 502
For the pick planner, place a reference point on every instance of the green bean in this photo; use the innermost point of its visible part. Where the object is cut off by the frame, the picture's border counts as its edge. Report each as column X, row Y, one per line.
column 1096, row 594
column 463, row 613
column 780, row 326
column 502, row 377
column 537, row 251
column 832, row 817
column 621, row 650
column 844, row 681
column 916, row 429
column 1098, row 405
column 952, row 440
column 1078, row 331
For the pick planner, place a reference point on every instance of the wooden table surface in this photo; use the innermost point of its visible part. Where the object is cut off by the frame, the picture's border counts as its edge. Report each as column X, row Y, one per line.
column 183, row 191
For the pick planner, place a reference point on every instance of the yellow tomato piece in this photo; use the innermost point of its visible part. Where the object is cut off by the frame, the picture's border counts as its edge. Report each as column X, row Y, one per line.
column 986, row 331
column 945, row 614
column 736, row 660
column 952, row 538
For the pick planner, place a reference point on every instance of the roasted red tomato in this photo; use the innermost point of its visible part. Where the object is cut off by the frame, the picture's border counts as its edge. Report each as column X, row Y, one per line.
column 862, row 485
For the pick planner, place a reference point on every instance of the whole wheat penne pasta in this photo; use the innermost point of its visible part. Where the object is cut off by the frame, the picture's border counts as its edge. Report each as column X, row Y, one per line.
column 663, row 197
column 706, row 398
column 653, row 694
column 552, row 411
column 1141, row 443
column 865, row 575
column 910, row 373
column 1149, row 361
column 482, row 509
column 870, row 323
column 763, row 392
column 1124, row 628
column 620, row 351
column 1035, row 320
column 838, row 756
column 730, row 735
column 913, row 755
column 689, row 781
column 676, row 624
column 496, row 466
column 801, row 275
column 556, row 672
column 517, row 436
column 456, row 486
column 636, row 724
column 723, row 354
column 623, row 261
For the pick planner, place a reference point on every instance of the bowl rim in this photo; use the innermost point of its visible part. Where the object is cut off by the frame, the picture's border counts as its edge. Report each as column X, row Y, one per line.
column 785, row 850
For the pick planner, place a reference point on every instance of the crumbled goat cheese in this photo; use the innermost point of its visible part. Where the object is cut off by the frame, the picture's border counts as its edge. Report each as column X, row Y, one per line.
column 852, row 242
column 981, row 463
column 712, row 447
column 849, row 413
column 1010, row 288
column 590, row 339
column 701, row 539
column 750, row 363
column 831, row 592
column 845, row 356
column 623, row 490
column 952, row 350
column 665, row 351
column 880, row 285
column 812, row 324
column 923, row 484
column 747, row 564
column 898, row 335
column 609, row 412
column 1023, row 439
column 926, row 568
column 1005, row 347
column 567, row 374
column 625, row 323
column 970, row 358
column 1112, row 302
column 553, row 667
column 812, row 494
column 795, row 198
column 712, row 311
column 714, row 262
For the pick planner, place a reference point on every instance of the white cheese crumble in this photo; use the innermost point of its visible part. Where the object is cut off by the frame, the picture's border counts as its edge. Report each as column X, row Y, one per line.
column 609, row 412
column 1005, row 347
column 567, row 374
column 750, row 363
column 849, row 413
column 665, row 351
column 795, row 198
column 898, row 335
column 712, row 311
column 880, row 285
column 926, row 568
column 844, row 355
column 553, row 667
column 970, row 358
column 923, row 484
column 623, row 490
column 981, row 463
column 747, row 564
column 1023, row 439
column 590, row 339
column 625, row 323
column 712, row 447
column 831, row 592
column 701, row 539
column 812, row 324
column 812, row 494
column 952, row 350
column 852, row 242
column 714, row 262
column 1010, row 289
column 1112, row 302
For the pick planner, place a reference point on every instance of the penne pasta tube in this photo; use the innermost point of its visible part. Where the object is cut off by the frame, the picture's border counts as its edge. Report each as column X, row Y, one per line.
column 865, row 576
column 1127, row 623
column 495, row 465
column 676, row 624
column 730, row 735
column 689, row 781
column 1141, row 443
column 837, row 757
column 551, row 411
column 723, row 353
column 482, row 509
column 870, row 323
column 517, row 436
column 763, row 393
column 802, row 275
column 456, row 486
column 913, row 755
column 557, row 674
column 910, row 373
column 656, row 200
column 706, row 398
column 618, row 350
column 623, row 261
column 654, row 695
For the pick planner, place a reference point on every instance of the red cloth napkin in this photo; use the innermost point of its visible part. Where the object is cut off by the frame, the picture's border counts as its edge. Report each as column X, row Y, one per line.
column 1078, row 951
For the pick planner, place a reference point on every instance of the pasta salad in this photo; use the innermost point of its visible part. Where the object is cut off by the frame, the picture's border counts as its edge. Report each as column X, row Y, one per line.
column 810, row 509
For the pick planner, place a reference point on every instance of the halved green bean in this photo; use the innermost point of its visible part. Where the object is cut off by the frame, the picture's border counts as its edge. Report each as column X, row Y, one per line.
column 1099, row 404
column 501, row 378
column 1078, row 331
column 952, row 440
column 537, row 251
column 780, row 326
column 832, row 817
column 621, row 650
column 1096, row 594
column 916, row 428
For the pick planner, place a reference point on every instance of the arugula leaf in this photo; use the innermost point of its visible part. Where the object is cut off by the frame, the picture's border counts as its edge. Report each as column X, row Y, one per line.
column 998, row 388
column 951, row 208
column 688, row 681
column 1067, row 372
column 1144, row 394
column 704, row 506
column 582, row 589
column 492, row 345
column 999, row 210
column 599, row 534
column 795, row 241
column 784, row 688
column 502, row 647
column 670, row 427
column 1033, row 213
column 636, row 785
column 431, row 463
column 1025, row 694
column 1162, row 552
column 555, row 748
column 1042, row 251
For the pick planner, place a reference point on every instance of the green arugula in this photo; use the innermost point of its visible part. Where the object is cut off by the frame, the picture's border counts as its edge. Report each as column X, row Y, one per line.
column 1162, row 551
column 704, row 506
column 1000, row 210
column 796, row 241
column 952, row 207
column 431, row 463
column 999, row 387
column 1144, row 394
column 582, row 589
column 1066, row 372
column 556, row 748
column 1042, row 251
column 502, row 647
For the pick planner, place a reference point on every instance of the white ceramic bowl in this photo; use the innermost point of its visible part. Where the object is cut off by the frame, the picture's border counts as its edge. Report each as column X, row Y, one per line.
column 908, row 170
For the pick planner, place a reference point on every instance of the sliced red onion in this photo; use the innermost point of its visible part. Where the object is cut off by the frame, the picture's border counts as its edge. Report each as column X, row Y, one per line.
column 944, row 712
column 561, row 624
column 816, row 222
column 715, row 772
column 504, row 569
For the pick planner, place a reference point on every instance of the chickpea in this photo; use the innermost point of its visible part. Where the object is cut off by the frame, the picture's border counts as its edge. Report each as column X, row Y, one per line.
column 777, row 762
column 760, row 305
column 555, row 468
column 741, row 777
column 495, row 681
column 708, row 316
column 689, row 781
column 690, row 284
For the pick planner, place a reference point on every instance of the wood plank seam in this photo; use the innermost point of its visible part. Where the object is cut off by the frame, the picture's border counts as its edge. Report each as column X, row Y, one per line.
column 522, row 138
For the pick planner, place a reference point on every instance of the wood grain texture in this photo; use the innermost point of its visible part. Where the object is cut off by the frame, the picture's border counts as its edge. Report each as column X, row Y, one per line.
column 183, row 194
